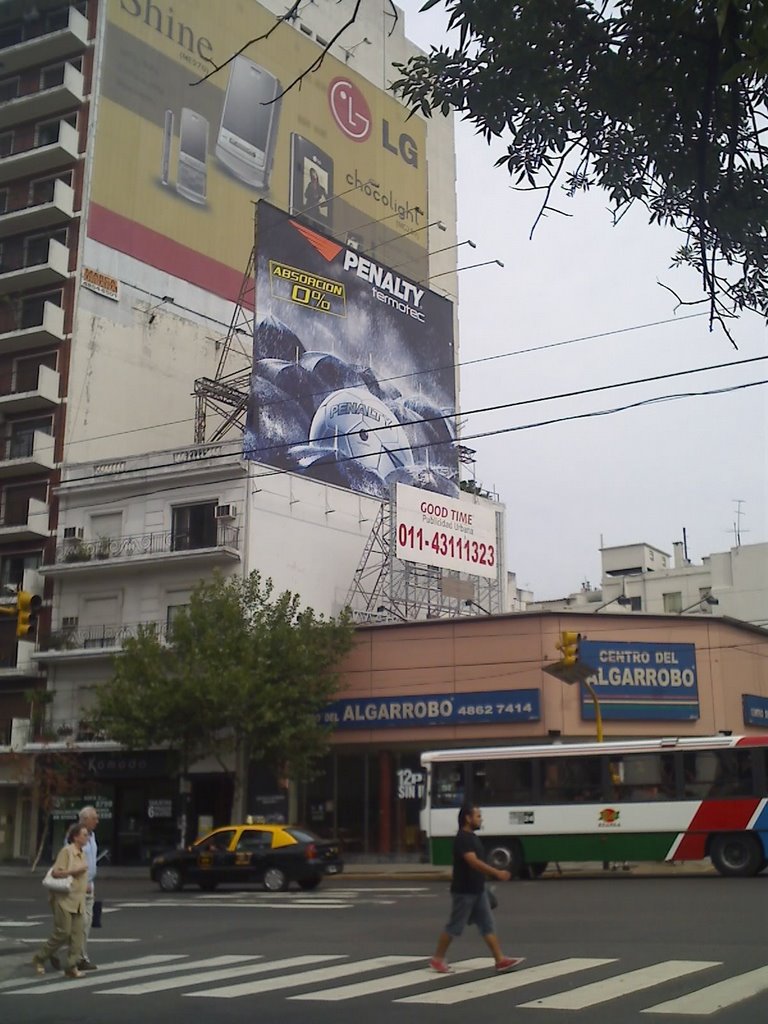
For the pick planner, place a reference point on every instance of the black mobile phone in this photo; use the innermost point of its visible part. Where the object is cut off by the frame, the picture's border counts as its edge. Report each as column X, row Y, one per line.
column 311, row 186
column 192, row 175
column 165, row 167
column 249, row 119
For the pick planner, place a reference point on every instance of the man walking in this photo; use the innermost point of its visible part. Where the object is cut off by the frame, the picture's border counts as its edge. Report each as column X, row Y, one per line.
column 469, row 898
column 90, row 818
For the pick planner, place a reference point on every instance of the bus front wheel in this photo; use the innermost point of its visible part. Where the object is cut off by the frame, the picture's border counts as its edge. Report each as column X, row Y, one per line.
column 736, row 854
column 505, row 857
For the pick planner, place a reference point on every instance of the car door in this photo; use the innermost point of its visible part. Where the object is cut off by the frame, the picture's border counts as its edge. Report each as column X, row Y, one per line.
column 253, row 852
column 215, row 860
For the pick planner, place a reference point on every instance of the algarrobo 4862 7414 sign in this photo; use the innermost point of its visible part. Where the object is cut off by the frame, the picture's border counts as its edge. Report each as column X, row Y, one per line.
column 488, row 707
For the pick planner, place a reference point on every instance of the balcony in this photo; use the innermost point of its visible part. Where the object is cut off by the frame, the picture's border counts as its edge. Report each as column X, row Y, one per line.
column 48, row 331
column 91, row 642
column 32, row 44
column 55, row 209
column 58, row 98
column 35, row 267
column 37, row 160
column 30, row 524
column 135, row 553
column 27, row 454
column 19, row 394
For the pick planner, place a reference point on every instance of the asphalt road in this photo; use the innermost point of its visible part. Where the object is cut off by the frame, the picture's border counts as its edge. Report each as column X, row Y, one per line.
column 613, row 950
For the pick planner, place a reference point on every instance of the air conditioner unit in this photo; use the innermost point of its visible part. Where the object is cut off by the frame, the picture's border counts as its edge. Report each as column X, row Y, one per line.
column 225, row 512
column 73, row 533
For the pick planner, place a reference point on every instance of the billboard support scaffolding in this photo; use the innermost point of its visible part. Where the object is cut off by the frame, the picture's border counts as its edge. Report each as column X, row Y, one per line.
column 386, row 588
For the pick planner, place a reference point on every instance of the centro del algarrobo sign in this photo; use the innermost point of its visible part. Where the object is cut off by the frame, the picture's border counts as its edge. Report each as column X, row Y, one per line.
column 487, row 708
column 640, row 680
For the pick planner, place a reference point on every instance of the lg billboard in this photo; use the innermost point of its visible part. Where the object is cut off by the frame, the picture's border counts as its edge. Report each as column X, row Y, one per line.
column 179, row 162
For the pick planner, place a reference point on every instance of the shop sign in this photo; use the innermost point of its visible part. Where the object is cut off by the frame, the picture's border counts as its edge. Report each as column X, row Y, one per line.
column 489, row 707
column 640, row 681
column 160, row 808
column 124, row 764
column 410, row 784
column 67, row 808
column 755, row 710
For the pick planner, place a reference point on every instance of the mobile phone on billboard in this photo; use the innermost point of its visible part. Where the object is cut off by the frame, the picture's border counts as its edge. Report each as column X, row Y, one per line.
column 165, row 169
column 249, row 120
column 311, row 187
column 192, row 173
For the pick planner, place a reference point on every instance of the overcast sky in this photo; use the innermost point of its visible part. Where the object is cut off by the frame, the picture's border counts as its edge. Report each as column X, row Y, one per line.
column 640, row 475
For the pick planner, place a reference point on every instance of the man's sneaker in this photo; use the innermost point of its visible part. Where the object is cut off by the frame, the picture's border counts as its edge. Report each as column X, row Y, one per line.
column 440, row 966
column 508, row 962
column 86, row 965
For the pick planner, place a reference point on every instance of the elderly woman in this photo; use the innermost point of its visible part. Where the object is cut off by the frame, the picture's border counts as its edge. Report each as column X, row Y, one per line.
column 68, row 907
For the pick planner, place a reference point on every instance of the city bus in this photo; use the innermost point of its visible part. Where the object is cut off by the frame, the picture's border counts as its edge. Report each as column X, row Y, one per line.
column 640, row 800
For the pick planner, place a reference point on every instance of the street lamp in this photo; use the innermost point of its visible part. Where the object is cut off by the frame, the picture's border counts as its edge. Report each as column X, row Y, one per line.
column 707, row 599
column 469, row 603
column 622, row 599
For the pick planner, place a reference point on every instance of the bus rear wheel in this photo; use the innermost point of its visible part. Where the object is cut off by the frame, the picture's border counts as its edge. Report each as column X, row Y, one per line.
column 506, row 856
column 736, row 854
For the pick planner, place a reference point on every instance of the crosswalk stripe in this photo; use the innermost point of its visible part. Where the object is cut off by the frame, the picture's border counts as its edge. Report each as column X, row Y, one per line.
column 142, row 961
column 209, row 976
column 295, row 905
column 505, row 982
column 621, row 985
column 718, row 996
column 306, row 978
column 43, row 989
column 423, row 976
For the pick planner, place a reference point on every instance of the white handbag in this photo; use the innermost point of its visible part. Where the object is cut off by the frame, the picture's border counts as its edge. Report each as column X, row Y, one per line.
column 57, row 884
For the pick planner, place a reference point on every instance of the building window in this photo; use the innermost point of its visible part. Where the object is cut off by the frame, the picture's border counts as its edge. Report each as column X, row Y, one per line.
column 636, row 604
column 26, row 371
column 6, row 143
column 16, row 501
column 36, row 247
column 47, row 132
column 194, row 526
column 9, row 89
column 32, row 309
column 41, row 190
column 12, row 568
column 22, row 436
column 172, row 611
column 673, row 602
column 3, row 200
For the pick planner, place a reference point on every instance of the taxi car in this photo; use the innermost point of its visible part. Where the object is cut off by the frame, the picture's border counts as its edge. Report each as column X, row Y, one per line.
column 275, row 855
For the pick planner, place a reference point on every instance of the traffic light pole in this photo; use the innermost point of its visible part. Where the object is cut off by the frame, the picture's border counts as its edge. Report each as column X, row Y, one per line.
column 598, row 714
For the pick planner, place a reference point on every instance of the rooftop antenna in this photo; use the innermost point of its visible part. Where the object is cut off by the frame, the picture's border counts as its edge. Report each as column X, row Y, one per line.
column 737, row 524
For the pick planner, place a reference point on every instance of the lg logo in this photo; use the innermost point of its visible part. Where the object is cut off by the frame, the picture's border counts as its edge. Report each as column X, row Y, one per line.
column 353, row 116
column 350, row 109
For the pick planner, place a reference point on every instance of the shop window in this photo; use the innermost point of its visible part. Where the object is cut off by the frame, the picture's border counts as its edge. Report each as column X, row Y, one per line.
column 497, row 783
column 193, row 527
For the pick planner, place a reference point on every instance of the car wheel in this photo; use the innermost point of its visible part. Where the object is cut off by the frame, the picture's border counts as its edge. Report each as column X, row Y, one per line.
column 310, row 883
column 170, row 879
column 736, row 854
column 208, row 885
column 275, row 880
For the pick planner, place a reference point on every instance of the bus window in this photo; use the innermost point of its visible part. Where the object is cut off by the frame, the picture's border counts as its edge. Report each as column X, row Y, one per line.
column 496, row 783
column 571, row 780
column 448, row 785
column 718, row 773
column 642, row 777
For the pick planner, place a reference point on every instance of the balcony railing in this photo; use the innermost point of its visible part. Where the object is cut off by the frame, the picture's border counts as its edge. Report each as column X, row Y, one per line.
column 110, row 636
column 144, row 544
column 39, row 40
column 50, row 206
column 49, row 729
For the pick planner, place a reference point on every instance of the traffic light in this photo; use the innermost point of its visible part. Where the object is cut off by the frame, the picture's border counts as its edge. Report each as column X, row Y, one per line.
column 27, row 607
column 569, row 645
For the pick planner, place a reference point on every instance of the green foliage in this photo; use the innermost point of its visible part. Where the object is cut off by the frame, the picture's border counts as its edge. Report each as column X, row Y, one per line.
column 243, row 672
column 661, row 102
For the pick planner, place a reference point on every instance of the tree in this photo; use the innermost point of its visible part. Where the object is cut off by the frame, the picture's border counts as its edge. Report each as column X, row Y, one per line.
column 243, row 673
column 659, row 102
